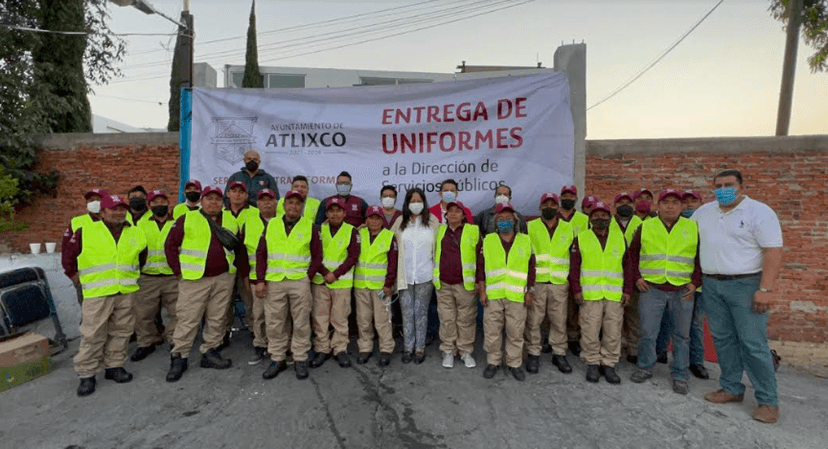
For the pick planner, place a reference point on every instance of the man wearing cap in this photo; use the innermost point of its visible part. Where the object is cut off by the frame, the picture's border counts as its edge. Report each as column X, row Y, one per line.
column 586, row 204
column 206, row 271
column 579, row 222
column 241, row 210
column 289, row 253
column 455, row 266
column 158, row 286
column 506, row 275
column 192, row 195
column 375, row 273
column 600, row 278
column 551, row 239
column 332, row 285
column 93, row 207
column 665, row 260
column 741, row 255
column 137, row 198
column 485, row 220
column 643, row 200
column 627, row 222
column 354, row 206
column 253, row 178
column 105, row 258
column 300, row 184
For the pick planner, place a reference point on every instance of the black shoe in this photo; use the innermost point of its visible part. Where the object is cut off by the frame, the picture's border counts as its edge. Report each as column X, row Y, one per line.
column 699, row 371
column 87, row 386
column 419, row 357
column 490, row 371
column 429, row 340
column 178, row 365
column 575, row 348
column 343, row 360
column 318, row 359
column 301, row 370
column 274, row 369
column 547, row 348
column 661, row 357
column 562, row 364
column 119, row 375
column 384, row 359
column 633, row 359
column 593, row 373
column 363, row 358
column 407, row 357
column 225, row 342
column 610, row 374
column 141, row 352
column 212, row 359
column 259, row 354
column 518, row 373
column 532, row 364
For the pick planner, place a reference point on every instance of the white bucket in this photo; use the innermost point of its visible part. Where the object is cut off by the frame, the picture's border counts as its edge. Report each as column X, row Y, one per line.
column 35, row 247
column 50, row 247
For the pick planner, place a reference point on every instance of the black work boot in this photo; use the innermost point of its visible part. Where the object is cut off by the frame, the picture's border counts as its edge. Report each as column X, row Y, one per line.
column 178, row 365
column 610, row 374
column 490, row 371
column 87, row 386
column 301, row 369
column 518, row 373
column 318, row 359
column 274, row 369
column 384, row 359
column 212, row 359
column 562, row 364
column 593, row 373
column 532, row 364
column 119, row 375
column 141, row 352
column 363, row 357
column 699, row 371
column 343, row 360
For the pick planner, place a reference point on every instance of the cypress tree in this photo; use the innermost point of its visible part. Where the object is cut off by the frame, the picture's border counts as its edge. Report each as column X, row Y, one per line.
column 252, row 76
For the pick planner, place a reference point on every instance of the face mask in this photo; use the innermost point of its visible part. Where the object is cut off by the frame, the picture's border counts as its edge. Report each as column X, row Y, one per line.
column 138, row 204
column 505, row 226
column 251, row 166
column 193, row 197
column 687, row 213
column 567, row 204
column 625, row 211
column 725, row 195
column 600, row 224
column 160, row 211
column 549, row 212
column 643, row 207
column 388, row 202
column 415, row 208
column 449, row 197
column 94, row 207
column 343, row 189
column 501, row 199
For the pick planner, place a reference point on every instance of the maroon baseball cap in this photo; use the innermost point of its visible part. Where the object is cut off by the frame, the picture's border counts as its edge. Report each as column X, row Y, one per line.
column 291, row 194
column 334, row 201
column 194, row 183
column 599, row 205
column 640, row 191
column 455, row 203
column 550, row 196
column 376, row 210
column 236, row 184
column 112, row 201
column 100, row 192
column 157, row 194
column 621, row 196
column 670, row 192
column 694, row 193
column 266, row 192
column 588, row 200
column 570, row 188
column 503, row 207
column 211, row 189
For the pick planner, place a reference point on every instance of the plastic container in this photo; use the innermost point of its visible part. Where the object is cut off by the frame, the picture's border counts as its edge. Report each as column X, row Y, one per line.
column 35, row 247
column 50, row 247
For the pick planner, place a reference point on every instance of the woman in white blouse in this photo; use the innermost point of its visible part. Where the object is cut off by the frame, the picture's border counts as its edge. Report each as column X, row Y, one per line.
column 415, row 231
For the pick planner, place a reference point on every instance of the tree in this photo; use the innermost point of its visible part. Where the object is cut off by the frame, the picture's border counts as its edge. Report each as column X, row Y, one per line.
column 814, row 28
column 252, row 76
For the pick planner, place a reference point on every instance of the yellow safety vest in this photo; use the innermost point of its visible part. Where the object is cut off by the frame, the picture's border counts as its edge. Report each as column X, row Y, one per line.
column 244, row 214
column 668, row 257
column 579, row 222
column 372, row 266
column 79, row 221
column 181, row 209
column 334, row 253
column 602, row 270
column 156, row 258
column 108, row 268
column 468, row 254
column 310, row 210
column 196, row 243
column 632, row 225
column 288, row 256
column 253, row 229
column 507, row 279
column 551, row 255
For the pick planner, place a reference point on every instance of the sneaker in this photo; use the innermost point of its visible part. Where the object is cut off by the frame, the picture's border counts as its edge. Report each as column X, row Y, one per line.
column 640, row 375
column 518, row 373
column 448, row 360
column 532, row 364
column 490, row 371
column 119, row 375
column 680, row 386
column 610, row 374
column 212, row 359
column 257, row 356
column 301, row 369
column 274, row 369
column 468, row 360
column 699, row 371
column 343, row 360
column 318, row 359
column 722, row 397
column 661, row 357
column 767, row 414
column 384, row 359
column 562, row 364
column 87, row 386
column 593, row 374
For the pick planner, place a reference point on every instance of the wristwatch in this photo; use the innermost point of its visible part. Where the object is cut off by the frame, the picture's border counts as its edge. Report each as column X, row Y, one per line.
column 766, row 290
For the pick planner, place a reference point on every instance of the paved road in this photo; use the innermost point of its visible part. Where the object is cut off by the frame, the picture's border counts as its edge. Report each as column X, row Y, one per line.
column 401, row 406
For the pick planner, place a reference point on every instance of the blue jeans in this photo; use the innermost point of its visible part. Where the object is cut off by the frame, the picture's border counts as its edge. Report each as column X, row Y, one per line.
column 651, row 307
column 696, row 333
column 740, row 336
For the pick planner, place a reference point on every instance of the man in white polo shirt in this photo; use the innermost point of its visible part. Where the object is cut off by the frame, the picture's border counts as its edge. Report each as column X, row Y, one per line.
column 741, row 254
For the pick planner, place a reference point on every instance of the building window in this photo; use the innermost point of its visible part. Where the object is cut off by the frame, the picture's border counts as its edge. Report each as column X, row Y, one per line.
column 281, row 81
column 236, row 79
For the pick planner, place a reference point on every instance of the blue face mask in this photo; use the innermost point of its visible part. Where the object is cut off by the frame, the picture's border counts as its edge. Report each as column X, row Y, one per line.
column 449, row 196
column 686, row 213
column 505, row 226
column 725, row 195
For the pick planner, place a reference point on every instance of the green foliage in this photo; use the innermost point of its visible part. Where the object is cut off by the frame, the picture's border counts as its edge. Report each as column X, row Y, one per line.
column 252, row 76
column 814, row 28
column 8, row 192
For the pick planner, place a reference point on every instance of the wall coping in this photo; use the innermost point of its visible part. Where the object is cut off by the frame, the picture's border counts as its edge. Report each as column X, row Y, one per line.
column 720, row 145
column 70, row 141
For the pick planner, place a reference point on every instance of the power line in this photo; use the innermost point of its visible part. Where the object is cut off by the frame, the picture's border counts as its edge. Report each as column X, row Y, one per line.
column 659, row 58
column 79, row 33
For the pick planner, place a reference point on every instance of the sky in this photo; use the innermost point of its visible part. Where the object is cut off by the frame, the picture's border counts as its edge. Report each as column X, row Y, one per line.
column 722, row 80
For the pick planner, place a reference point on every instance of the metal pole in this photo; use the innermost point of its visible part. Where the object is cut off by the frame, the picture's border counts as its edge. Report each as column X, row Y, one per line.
column 186, row 71
column 783, row 116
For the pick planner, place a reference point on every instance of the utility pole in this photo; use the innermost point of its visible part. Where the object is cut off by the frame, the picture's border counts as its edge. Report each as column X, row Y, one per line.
column 186, row 48
column 783, row 116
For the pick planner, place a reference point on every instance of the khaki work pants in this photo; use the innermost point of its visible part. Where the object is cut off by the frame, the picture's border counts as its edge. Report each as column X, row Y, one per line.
column 285, row 300
column 207, row 298
column 550, row 302
column 370, row 313
column 154, row 292
column 457, row 309
column 598, row 316
column 331, row 308
column 256, row 315
column 573, row 322
column 106, row 326
column 630, row 329
column 510, row 315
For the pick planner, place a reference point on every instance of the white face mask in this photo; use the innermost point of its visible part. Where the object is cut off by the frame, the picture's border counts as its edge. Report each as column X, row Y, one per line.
column 415, row 208
column 501, row 199
column 449, row 196
column 388, row 202
column 94, row 207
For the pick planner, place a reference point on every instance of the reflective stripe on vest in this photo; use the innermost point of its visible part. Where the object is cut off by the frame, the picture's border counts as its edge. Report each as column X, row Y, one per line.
column 551, row 255
column 334, row 253
column 668, row 257
column 469, row 238
column 197, row 235
column 372, row 265
column 156, row 258
column 506, row 278
column 253, row 229
column 288, row 256
column 108, row 268
column 602, row 270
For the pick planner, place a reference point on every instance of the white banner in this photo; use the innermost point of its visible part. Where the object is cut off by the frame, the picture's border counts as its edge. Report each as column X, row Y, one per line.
column 515, row 131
